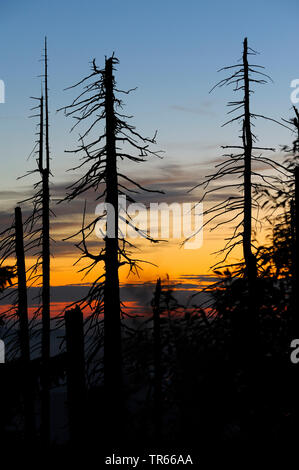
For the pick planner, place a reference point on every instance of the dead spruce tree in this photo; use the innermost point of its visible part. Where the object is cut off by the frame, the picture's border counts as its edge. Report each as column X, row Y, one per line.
column 37, row 227
column 44, row 168
column 242, row 206
column 36, row 241
column 96, row 104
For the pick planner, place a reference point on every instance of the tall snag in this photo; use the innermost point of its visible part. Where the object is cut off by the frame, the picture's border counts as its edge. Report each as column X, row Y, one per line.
column 95, row 104
column 37, row 227
column 249, row 258
column 36, row 244
column 244, row 203
column 44, row 168
column 112, row 339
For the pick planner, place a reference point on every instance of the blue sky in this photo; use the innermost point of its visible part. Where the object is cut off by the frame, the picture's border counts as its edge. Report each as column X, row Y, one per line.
column 171, row 50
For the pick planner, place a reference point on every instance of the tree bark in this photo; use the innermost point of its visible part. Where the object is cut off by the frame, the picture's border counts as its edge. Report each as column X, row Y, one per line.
column 247, row 143
column 45, row 311
column 249, row 325
column 45, row 171
column 112, row 326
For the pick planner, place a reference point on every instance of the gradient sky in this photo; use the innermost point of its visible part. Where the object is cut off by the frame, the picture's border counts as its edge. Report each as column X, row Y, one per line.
column 171, row 50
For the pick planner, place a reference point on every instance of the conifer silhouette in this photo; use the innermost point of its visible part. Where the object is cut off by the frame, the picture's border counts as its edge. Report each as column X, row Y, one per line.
column 98, row 103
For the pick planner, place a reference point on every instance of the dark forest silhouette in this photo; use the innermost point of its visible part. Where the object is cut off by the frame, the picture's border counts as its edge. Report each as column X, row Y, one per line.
column 215, row 372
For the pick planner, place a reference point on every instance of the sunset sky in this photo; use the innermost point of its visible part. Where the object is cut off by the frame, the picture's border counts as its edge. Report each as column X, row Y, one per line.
column 171, row 50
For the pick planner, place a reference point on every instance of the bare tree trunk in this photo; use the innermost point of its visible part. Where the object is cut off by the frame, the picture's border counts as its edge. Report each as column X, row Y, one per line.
column 75, row 373
column 247, row 142
column 104, row 293
column 47, row 109
column 22, row 288
column 45, row 312
column 157, row 362
column 112, row 326
column 249, row 325
column 24, row 329
column 46, row 274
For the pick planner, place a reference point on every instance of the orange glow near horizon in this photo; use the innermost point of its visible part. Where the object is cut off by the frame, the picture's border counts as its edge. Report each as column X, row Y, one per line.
column 167, row 259
column 171, row 259
column 160, row 260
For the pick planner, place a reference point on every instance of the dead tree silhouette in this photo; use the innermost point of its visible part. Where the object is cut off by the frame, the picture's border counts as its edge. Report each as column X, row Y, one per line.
column 98, row 103
column 37, row 227
column 45, row 172
column 244, row 203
